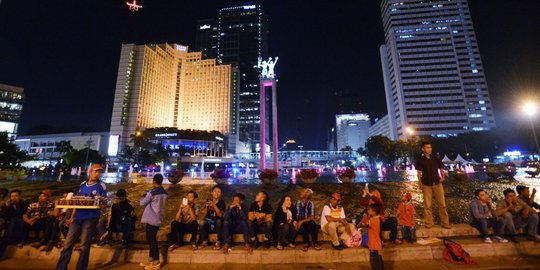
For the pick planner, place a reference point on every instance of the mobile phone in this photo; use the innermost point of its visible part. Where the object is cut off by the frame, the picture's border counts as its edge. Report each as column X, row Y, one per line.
column 184, row 201
column 367, row 185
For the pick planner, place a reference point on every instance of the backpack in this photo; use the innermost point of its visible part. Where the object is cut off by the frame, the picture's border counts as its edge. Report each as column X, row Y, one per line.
column 455, row 254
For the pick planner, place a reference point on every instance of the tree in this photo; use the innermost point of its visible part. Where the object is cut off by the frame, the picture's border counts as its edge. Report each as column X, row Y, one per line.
column 76, row 158
column 10, row 155
column 381, row 149
column 346, row 148
column 127, row 154
column 64, row 147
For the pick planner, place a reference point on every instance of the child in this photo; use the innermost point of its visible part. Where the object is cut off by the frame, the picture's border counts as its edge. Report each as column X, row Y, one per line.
column 374, row 237
column 405, row 213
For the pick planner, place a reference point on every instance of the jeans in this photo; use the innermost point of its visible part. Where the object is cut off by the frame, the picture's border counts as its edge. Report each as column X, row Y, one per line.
column 483, row 224
column 85, row 229
column 124, row 227
column 230, row 228
column 286, row 232
column 14, row 230
column 205, row 227
column 408, row 233
column 307, row 229
column 178, row 230
column 519, row 222
column 390, row 224
column 254, row 228
column 375, row 260
column 42, row 225
column 438, row 191
column 151, row 233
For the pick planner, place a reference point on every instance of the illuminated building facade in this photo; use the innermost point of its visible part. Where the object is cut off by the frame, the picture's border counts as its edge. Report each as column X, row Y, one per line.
column 433, row 74
column 164, row 85
column 352, row 130
column 11, row 106
column 242, row 39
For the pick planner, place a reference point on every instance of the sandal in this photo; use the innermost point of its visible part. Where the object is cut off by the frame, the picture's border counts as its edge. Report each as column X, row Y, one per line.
column 317, row 247
column 226, row 249
column 194, row 247
column 203, row 244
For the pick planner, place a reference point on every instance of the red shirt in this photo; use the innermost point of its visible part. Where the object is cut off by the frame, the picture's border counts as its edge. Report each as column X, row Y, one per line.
column 406, row 213
column 374, row 234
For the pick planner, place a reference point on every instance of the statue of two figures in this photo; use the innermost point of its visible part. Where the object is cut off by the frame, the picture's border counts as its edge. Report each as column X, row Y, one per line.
column 267, row 67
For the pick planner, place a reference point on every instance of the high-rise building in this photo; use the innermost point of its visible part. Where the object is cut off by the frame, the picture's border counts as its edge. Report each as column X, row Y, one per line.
column 11, row 105
column 381, row 126
column 164, row 85
column 352, row 130
column 242, row 39
column 206, row 38
column 433, row 74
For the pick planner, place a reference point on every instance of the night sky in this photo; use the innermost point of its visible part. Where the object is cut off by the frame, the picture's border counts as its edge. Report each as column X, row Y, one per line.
column 65, row 54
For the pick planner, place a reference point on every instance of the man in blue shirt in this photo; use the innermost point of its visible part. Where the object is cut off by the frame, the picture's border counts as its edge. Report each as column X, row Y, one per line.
column 84, row 221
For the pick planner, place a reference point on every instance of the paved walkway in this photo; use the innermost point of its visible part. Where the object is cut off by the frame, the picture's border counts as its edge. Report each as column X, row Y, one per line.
column 532, row 262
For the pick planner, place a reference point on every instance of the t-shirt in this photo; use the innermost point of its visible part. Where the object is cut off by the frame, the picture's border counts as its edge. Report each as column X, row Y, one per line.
column 328, row 210
column 519, row 206
column 430, row 169
column 406, row 213
column 211, row 213
column 96, row 189
column 265, row 208
column 39, row 210
column 185, row 217
column 374, row 234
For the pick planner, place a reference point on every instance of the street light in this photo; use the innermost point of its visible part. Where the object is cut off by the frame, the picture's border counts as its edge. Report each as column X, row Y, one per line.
column 410, row 133
column 530, row 109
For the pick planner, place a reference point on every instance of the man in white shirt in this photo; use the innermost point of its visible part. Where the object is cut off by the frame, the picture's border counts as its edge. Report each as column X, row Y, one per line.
column 333, row 222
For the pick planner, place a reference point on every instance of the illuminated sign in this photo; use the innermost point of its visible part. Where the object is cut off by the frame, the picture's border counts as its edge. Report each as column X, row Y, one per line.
column 164, row 135
column 352, row 124
column 206, row 26
column 181, row 48
column 113, row 145
column 219, row 138
column 7, row 127
column 512, row 153
column 250, row 7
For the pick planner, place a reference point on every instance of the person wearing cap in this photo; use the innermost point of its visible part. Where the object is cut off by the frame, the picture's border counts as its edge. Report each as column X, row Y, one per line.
column 119, row 220
column 153, row 202
column 84, row 221
column 333, row 222
column 38, row 218
column 305, row 221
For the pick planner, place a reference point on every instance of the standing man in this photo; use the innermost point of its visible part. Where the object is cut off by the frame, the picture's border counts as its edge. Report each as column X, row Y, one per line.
column 153, row 202
column 430, row 178
column 84, row 221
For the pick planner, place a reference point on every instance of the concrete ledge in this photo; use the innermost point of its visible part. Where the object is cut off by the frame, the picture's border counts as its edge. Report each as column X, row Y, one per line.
column 407, row 252
column 421, row 232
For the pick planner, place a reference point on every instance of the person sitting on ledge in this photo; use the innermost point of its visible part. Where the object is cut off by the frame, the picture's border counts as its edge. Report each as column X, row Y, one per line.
column 528, row 198
column 13, row 210
column 39, row 218
column 405, row 213
column 371, row 195
column 482, row 216
column 260, row 219
column 213, row 218
column 235, row 220
column 284, row 223
column 120, row 220
column 305, row 221
column 185, row 222
column 518, row 215
column 333, row 222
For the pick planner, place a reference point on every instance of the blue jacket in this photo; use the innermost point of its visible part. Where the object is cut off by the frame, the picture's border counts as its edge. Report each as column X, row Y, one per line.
column 154, row 206
column 477, row 210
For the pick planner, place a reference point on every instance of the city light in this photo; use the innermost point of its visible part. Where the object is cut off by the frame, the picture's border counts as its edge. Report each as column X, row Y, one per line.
column 410, row 131
column 530, row 109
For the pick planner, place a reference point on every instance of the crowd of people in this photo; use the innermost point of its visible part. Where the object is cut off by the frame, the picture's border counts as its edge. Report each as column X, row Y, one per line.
column 259, row 223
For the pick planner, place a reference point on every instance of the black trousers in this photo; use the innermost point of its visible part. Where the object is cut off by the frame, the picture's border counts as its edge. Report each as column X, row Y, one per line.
column 151, row 233
column 178, row 230
column 375, row 259
column 307, row 229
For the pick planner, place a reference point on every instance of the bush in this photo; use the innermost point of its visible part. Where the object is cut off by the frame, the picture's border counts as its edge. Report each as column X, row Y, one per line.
column 349, row 173
column 309, row 173
column 268, row 174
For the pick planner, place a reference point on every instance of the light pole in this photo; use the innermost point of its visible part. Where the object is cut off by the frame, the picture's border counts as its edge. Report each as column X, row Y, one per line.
column 410, row 134
column 530, row 109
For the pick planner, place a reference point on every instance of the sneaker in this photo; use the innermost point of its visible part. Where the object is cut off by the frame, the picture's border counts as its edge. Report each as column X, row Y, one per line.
column 203, row 244
column 144, row 264
column 397, row 242
column 317, row 246
column 173, row 247
column 500, row 239
column 218, row 246
column 153, row 266
column 488, row 240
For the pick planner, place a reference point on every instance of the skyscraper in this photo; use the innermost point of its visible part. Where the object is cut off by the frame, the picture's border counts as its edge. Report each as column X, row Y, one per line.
column 433, row 74
column 206, row 38
column 242, row 39
column 352, row 130
column 164, row 85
